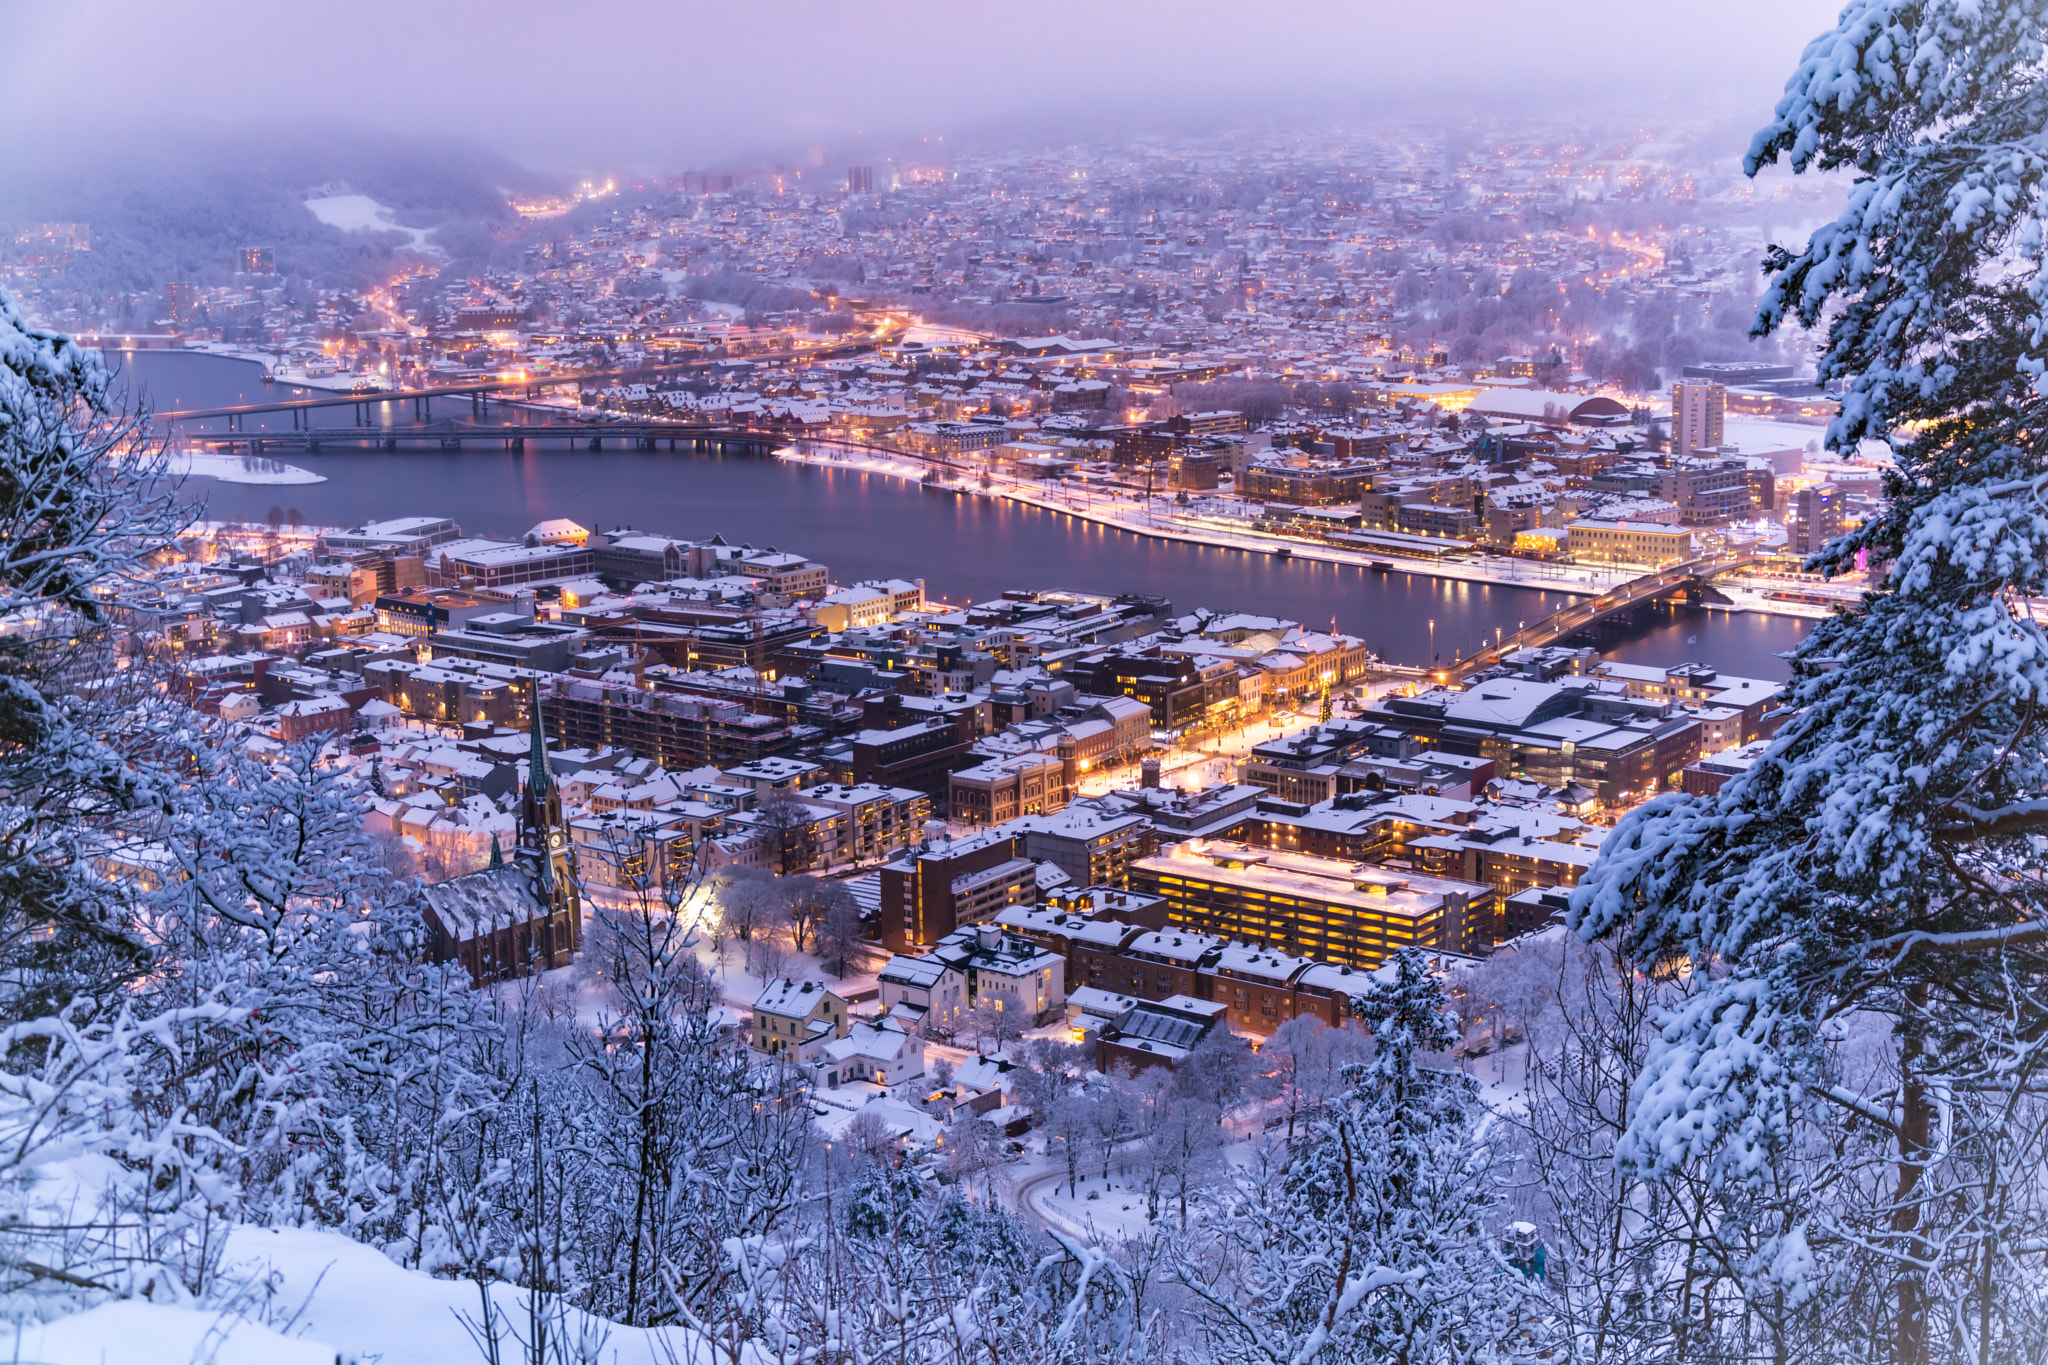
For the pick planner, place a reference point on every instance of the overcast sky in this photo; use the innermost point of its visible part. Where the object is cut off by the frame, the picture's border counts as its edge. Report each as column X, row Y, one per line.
column 682, row 83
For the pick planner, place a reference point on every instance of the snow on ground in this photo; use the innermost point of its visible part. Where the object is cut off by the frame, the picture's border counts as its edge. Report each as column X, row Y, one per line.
column 1772, row 433
column 352, row 1299
column 133, row 1332
column 361, row 213
column 1161, row 519
column 307, row 1297
column 740, row 986
column 1100, row 1211
column 196, row 464
column 741, row 975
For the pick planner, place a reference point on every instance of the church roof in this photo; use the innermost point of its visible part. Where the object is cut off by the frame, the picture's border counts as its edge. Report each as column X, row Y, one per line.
column 480, row 903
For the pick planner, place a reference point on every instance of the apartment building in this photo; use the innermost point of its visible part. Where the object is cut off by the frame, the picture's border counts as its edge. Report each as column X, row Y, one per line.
column 1312, row 907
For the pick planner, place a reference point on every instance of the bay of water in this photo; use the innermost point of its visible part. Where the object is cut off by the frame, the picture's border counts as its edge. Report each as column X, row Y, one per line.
column 872, row 526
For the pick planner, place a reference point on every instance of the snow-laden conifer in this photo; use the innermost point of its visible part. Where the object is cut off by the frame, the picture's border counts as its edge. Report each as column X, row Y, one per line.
column 1859, row 1073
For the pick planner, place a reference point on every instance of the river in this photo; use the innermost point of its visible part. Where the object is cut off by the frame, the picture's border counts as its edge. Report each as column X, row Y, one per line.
column 873, row 526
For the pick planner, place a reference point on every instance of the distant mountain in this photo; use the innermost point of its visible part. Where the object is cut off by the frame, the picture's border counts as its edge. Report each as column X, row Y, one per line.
column 163, row 209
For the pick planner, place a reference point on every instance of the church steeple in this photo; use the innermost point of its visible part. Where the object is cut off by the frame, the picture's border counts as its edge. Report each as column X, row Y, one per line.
column 538, row 780
column 544, row 835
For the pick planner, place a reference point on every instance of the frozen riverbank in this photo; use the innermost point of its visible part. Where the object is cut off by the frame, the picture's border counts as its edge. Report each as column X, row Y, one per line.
column 199, row 464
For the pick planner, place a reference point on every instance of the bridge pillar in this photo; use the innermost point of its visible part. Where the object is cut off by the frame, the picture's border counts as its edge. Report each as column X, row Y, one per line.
column 597, row 443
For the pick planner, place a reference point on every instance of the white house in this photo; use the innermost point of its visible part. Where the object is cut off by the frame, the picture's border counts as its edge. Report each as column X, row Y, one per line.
column 1014, row 974
column 881, row 1054
column 921, row 991
column 797, row 1020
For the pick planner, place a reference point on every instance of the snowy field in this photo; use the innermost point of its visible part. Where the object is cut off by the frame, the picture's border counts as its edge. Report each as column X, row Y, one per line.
column 361, row 213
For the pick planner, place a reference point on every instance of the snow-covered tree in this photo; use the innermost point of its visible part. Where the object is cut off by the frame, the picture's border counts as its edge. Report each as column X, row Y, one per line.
column 1302, row 1064
column 1637, row 1268
column 839, row 934
column 1860, row 1073
column 1366, row 1240
column 82, row 502
column 691, row 1146
column 914, row 1275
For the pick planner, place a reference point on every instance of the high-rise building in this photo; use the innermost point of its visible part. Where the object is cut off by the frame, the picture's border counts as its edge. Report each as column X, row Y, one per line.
column 183, row 297
column 257, row 260
column 860, row 179
column 1696, row 416
column 1820, row 518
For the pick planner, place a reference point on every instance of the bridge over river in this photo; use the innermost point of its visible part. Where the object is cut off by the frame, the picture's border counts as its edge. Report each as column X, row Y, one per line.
column 1690, row 581
column 479, row 392
column 452, row 435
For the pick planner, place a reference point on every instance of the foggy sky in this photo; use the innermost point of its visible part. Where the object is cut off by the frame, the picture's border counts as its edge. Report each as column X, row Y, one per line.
column 668, row 86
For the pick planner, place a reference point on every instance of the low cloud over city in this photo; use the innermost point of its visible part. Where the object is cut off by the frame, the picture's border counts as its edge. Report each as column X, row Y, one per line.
column 646, row 87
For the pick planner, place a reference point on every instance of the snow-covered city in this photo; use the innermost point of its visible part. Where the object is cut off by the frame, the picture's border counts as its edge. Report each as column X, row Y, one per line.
column 1114, row 685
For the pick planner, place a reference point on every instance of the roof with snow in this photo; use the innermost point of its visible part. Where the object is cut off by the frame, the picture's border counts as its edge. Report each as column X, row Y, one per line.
column 479, row 903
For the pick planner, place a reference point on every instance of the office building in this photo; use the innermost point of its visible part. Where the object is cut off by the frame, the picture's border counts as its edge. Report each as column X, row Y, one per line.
column 1645, row 544
column 1819, row 520
column 1313, row 907
column 1697, row 410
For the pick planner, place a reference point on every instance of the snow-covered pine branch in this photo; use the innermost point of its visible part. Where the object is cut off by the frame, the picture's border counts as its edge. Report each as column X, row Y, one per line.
column 1861, row 909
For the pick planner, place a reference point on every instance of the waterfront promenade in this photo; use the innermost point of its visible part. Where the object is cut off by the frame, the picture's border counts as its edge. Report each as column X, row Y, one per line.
column 1159, row 518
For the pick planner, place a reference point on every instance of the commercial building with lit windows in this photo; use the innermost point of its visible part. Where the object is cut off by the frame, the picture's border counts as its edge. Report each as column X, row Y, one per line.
column 1314, row 907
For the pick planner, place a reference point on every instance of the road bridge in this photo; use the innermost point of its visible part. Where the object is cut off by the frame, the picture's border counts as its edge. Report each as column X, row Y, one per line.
column 480, row 391
column 1690, row 581
column 681, row 437
column 453, row 435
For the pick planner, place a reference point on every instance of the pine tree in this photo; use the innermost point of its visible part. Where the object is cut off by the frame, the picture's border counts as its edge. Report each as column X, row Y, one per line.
column 1366, row 1240
column 1857, row 1071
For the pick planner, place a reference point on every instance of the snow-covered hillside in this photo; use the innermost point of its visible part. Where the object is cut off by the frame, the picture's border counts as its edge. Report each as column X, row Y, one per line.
column 313, row 1297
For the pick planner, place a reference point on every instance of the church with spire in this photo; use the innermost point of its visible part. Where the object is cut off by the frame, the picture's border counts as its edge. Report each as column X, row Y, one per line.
column 544, row 846
column 512, row 919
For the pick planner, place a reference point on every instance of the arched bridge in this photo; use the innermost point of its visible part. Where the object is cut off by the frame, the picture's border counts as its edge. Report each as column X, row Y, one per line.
column 1691, row 580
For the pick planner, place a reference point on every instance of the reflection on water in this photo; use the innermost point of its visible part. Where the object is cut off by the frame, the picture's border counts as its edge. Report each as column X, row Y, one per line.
column 965, row 548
